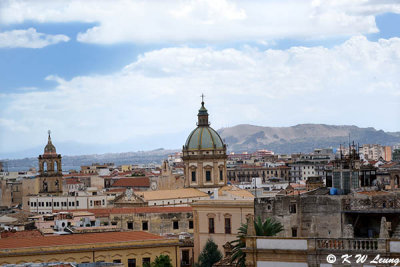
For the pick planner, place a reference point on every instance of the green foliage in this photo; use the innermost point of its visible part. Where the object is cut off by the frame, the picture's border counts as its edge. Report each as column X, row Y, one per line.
column 269, row 228
column 210, row 254
column 162, row 261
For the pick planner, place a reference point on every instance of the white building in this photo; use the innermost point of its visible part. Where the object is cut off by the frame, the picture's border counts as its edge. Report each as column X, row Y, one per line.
column 43, row 204
column 375, row 151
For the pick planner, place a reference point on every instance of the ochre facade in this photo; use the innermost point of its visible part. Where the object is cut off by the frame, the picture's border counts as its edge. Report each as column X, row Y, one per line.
column 226, row 217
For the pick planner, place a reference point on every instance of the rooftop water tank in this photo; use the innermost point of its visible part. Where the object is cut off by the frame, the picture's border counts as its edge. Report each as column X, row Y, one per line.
column 333, row 191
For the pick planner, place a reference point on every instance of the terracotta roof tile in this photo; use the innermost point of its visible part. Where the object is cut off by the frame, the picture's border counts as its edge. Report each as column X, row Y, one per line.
column 76, row 239
column 113, row 190
column 72, row 180
column 20, row 234
column 132, row 182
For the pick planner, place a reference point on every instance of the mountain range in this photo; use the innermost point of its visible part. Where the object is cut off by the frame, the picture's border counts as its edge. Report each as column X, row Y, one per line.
column 302, row 137
column 240, row 138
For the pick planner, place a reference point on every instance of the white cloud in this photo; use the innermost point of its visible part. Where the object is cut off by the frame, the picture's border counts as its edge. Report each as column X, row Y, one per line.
column 29, row 38
column 211, row 21
column 356, row 82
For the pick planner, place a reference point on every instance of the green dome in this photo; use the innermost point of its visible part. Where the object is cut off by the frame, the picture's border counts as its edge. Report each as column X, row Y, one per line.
column 204, row 137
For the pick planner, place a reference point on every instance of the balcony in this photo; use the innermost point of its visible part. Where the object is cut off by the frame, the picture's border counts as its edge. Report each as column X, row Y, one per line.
column 351, row 244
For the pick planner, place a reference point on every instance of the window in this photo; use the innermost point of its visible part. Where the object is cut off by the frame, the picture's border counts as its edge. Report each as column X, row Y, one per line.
column 294, row 232
column 228, row 226
column 146, row 262
column 221, row 176
column 175, row 225
column 129, row 225
column 91, row 202
column 292, row 208
column 104, row 202
column 208, row 176
column 131, row 262
column 190, row 224
column 145, row 226
column 117, row 261
column 185, row 257
column 77, row 203
column 211, row 229
column 193, row 176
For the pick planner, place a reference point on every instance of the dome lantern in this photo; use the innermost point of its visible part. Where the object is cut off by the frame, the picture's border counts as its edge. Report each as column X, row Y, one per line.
column 203, row 114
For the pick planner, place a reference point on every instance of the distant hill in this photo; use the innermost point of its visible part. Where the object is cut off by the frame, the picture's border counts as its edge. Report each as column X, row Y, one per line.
column 301, row 137
column 74, row 162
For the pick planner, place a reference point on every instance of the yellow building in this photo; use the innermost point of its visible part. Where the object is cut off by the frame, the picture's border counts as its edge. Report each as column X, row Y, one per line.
column 126, row 168
column 220, row 220
column 130, row 248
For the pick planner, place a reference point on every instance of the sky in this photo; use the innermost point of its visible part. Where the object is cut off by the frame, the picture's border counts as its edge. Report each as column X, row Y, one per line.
column 115, row 76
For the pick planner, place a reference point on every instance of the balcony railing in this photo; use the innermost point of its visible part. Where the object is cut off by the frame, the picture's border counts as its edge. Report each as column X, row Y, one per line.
column 351, row 244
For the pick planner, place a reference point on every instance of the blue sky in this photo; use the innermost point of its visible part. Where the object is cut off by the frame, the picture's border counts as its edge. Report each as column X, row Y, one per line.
column 127, row 76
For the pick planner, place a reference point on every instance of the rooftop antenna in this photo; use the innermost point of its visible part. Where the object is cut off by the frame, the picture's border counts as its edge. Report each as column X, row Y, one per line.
column 349, row 147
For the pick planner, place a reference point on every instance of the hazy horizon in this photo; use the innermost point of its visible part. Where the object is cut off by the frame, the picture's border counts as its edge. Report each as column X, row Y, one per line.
column 105, row 74
column 73, row 148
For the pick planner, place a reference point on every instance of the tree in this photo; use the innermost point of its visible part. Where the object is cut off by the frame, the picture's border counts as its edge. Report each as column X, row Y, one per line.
column 210, row 254
column 162, row 261
column 269, row 228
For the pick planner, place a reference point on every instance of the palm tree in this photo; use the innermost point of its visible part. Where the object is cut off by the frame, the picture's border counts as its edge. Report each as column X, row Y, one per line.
column 270, row 227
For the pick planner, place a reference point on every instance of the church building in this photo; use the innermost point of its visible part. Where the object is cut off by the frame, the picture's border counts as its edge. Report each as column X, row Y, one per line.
column 204, row 156
column 50, row 170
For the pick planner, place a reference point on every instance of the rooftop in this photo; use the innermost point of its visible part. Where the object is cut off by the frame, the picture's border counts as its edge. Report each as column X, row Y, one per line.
column 108, row 211
column 373, row 193
column 78, row 239
column 171, row 194
column 132, row 182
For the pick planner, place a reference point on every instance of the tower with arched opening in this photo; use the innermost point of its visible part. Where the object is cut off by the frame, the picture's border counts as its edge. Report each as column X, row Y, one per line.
column 50, row 170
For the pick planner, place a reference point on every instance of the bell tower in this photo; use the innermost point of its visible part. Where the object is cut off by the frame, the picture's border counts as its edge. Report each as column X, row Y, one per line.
column 50, row 170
